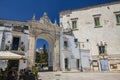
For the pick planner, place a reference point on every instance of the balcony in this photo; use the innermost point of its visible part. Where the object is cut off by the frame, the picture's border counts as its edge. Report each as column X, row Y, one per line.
column 19, row 51
column 103, row 54
column 20, row 28
column 68, row 31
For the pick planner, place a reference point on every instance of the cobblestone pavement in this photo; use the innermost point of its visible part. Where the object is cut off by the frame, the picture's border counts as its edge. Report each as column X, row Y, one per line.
column 79, row 76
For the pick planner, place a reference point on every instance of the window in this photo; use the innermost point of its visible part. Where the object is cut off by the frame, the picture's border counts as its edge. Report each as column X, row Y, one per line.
column 65, row 44
column 102, row 48
column 74, row 24
column 15, row 43
column 97, row 20
column 117, row 15
column 118, row 18
column 1, row 24
column 77, row 63
column 66, row 63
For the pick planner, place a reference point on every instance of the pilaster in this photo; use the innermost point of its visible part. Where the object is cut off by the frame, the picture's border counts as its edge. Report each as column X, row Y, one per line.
column 31, row 52
column 57, row 54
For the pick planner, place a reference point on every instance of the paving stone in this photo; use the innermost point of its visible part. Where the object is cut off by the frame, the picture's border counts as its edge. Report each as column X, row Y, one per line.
column 79, row 76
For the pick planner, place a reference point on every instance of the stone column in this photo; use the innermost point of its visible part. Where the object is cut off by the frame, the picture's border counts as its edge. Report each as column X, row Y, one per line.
column 57, row 55
column 99, row 66
column 31, row 51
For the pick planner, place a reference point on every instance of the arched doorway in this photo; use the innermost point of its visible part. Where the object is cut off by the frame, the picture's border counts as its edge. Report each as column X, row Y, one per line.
column 44, row 56
column 42, row 50
column 44, row 29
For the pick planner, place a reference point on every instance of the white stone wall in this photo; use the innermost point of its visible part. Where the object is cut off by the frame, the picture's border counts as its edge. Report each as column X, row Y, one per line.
column 109, row 32
column 8, row 37
column 85, row 57
column 23, row 63
column 72, row 53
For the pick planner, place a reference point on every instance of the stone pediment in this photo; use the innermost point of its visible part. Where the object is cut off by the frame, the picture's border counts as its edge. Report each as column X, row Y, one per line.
column 41, row 27
column 44, row 25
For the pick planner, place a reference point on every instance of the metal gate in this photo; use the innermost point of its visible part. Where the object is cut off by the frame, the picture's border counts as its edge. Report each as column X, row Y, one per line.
column 104, row 64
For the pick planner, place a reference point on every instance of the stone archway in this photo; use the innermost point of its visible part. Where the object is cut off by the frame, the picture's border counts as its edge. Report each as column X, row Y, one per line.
column 50, row 32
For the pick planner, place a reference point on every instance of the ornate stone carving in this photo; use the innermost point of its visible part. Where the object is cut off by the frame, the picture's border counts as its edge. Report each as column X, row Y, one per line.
column 45, row 19
column 48, row 31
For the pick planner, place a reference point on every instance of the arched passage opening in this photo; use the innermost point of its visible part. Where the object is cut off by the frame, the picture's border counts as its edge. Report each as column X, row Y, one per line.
column 44, row 52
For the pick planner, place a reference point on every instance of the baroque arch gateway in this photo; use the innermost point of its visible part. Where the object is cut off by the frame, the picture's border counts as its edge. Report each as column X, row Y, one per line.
column 51, row 33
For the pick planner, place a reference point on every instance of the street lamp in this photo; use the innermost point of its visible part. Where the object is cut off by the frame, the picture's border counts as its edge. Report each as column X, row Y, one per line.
column 78, row 44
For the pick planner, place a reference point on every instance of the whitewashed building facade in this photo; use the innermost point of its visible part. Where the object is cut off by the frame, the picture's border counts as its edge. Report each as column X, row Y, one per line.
column 20, row 38
column 99, row 27
column 87, row 39
column 14, row 38
column 71, row 56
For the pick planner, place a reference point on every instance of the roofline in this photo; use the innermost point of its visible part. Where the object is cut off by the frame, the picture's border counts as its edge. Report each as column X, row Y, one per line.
column 12, row 20
column 89, row 7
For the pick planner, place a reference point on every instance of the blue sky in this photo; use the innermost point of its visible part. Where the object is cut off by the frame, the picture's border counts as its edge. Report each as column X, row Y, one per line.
column 23, row 10
column 40, row 43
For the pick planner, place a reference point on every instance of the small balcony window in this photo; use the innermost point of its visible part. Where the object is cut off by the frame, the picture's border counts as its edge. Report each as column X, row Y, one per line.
column 102, row 48
column 97, row 20
column 1, row 24
column 117, row 15
column 65, row 44
column 74, row 24
column 118, row 18
column 15, row 43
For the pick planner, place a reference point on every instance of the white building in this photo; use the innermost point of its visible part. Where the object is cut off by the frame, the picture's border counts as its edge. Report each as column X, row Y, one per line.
column 87, row 39
column 99, row 27
column 14, row 37
column 70, row 55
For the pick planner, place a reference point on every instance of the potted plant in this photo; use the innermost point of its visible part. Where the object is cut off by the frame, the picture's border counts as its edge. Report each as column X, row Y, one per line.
column 22, row 46
column 7, row 47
